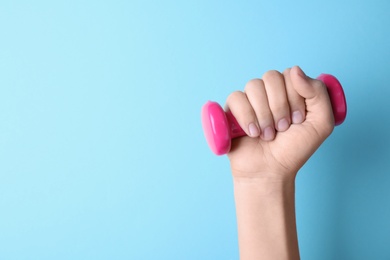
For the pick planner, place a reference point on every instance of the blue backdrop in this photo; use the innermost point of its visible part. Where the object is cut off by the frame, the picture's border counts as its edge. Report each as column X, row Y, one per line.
column 102, row 154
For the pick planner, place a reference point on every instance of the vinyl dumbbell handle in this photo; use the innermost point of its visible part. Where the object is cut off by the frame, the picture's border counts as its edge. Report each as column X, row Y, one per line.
column 220, row 127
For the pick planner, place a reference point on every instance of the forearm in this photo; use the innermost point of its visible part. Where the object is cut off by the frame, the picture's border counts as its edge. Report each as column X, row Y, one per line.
column 266, row 219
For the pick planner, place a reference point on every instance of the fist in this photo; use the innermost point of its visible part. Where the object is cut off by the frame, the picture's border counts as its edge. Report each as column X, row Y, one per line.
column 286, row 117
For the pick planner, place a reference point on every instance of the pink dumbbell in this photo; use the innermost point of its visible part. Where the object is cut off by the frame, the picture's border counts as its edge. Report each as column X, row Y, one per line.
column 220, row 127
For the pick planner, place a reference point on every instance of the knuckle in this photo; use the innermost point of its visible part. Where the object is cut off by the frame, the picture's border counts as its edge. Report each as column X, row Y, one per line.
column 253, row 83
column 286, row 71
column 264, row 116
column 272, row 74
column 280, row 109
column 318, row 84
column 234, row 95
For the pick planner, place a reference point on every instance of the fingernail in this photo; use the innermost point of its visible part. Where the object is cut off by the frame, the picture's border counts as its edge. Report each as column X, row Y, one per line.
column 297, row 117
column 268, row 134
column 283, row 125
column 253, row 130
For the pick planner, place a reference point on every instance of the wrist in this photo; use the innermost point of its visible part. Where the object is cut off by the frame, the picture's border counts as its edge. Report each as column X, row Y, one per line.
column 269, row 178
column 260, row 188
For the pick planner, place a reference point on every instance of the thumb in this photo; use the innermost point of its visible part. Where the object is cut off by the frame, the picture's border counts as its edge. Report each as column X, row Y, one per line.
column 318, row 106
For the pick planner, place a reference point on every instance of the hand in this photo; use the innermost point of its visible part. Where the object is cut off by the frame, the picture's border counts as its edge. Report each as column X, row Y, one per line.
column 286, row 117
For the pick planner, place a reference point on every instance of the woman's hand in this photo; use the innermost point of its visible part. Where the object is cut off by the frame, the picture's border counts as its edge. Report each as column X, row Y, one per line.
column 286, row 117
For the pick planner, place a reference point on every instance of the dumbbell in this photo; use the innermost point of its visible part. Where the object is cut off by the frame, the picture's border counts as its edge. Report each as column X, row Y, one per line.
column 221, row 127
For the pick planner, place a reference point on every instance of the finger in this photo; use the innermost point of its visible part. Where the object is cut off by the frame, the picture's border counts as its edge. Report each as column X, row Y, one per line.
column 318, row 107
column 238, row 104
column 297, row 102
column 277, row 99
column 257, row 96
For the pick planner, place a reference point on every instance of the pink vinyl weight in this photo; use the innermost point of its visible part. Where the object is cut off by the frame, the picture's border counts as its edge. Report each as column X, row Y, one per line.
column 220, row 127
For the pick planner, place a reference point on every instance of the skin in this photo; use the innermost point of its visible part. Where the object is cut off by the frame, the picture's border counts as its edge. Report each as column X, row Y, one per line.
column 286, row 116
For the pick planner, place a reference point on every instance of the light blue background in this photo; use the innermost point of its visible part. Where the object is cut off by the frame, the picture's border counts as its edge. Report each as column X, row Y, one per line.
column 102, row 154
